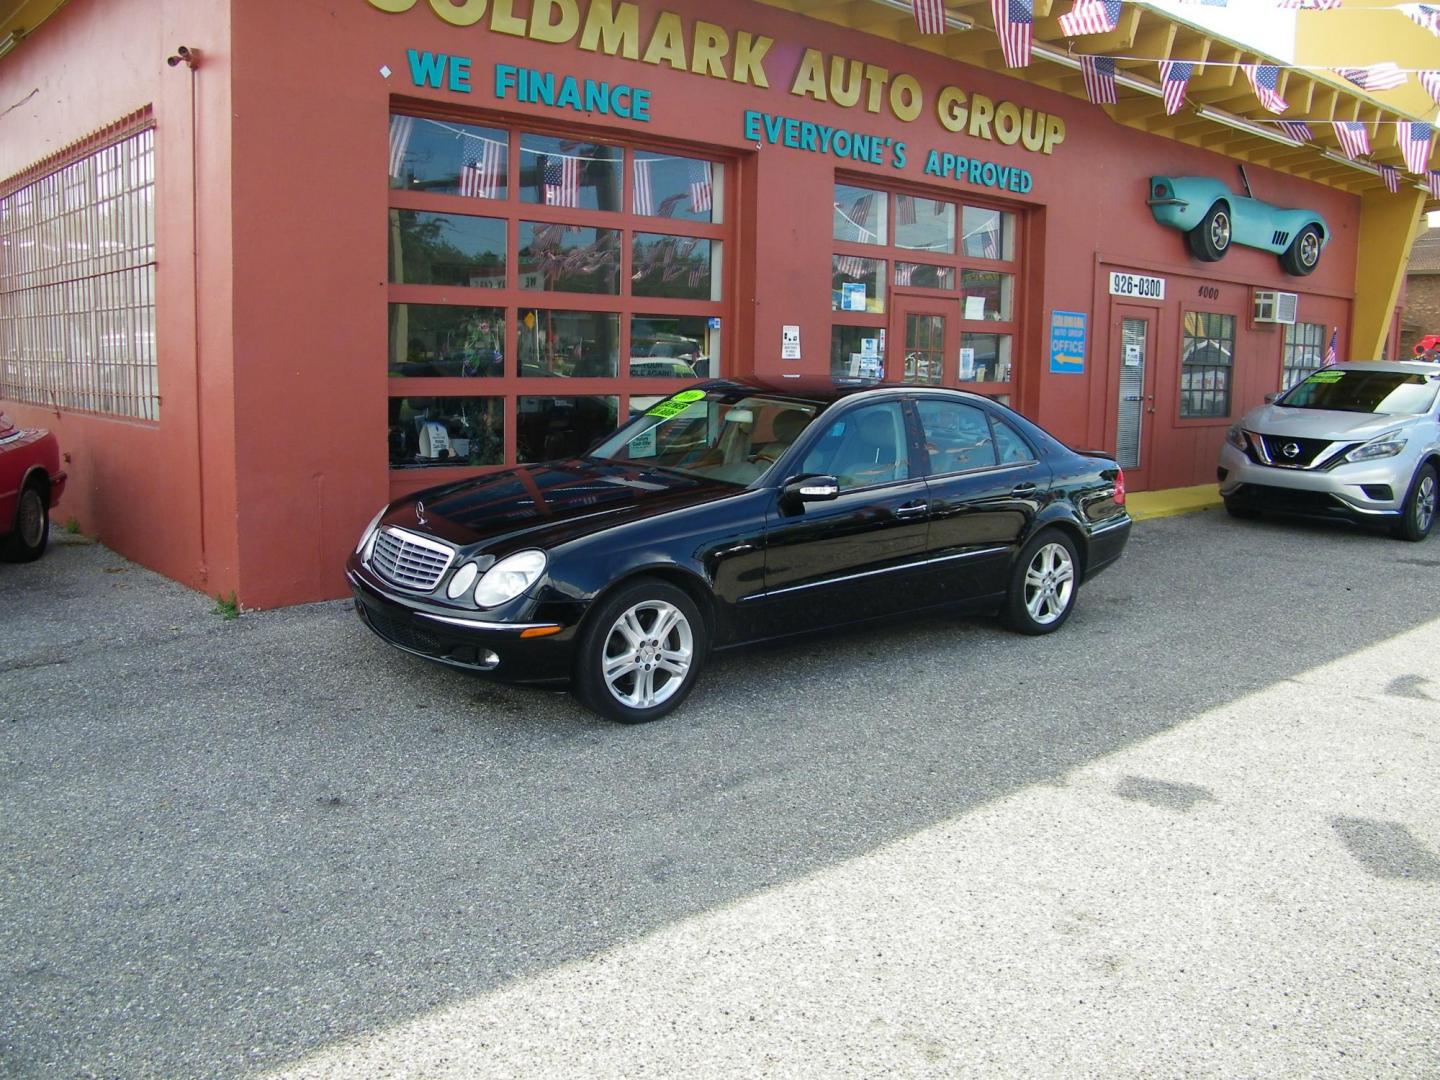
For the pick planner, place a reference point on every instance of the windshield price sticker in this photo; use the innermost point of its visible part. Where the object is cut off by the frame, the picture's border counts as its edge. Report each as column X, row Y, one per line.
column 1327, row 376
column 1148, row 288
column 676, row 405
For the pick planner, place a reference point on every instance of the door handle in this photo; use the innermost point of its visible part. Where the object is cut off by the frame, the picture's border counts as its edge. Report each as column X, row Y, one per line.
column 1019, row 491
column 910, row 510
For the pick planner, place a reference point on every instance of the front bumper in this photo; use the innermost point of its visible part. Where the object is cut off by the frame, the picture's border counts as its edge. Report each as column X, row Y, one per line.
column 1373, row 492
column 495, row 649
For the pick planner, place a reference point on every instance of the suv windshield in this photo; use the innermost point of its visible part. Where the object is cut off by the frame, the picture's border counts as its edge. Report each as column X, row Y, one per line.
column 717, row 435
column 1348, row 390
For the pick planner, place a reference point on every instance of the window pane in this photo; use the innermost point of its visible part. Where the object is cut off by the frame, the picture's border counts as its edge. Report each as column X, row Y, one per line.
column 957, row 437
column 924, row 349
column 924, row 276
column 987, row 234
column 677, row 187
column 563, row 172
column 446, row 249
column 987, row 294
column 860, row 215
column 446, row 158
column 1009, row 444
column 984, row 357
column 924, row 224
column 430, row 340
column 857, row 352
column 676, row 266
column 439, row 431
column 569, row 258
column 582, row 344
column 673, row 346
column 1206, row 355
column 1304, row 352
column 857, row 284
column 554, row 427
column 866, row 447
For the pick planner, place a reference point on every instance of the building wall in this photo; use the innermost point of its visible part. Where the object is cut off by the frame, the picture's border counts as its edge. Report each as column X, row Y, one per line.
column 1422, row 310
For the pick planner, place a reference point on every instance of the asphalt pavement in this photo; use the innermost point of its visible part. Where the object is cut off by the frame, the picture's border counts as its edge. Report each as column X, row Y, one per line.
column 1194, row 834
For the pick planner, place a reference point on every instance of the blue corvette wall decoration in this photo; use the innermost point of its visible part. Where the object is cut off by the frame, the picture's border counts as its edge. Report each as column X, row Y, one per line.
column 1212, row 218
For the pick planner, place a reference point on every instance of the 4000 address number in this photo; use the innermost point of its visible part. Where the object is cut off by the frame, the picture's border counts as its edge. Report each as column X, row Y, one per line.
column 1148, row 288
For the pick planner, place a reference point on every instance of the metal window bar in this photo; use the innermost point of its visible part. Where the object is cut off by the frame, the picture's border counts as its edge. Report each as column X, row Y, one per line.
column 1208, row 352
column 1304, row 352
column 77, row 285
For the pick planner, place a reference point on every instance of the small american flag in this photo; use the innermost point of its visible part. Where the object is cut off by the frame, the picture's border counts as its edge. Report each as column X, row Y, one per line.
column 1384, row 76
column 1265, row 81
column 905, row 209
column 1015, row 24
column 1332, row 354
column 904, row 273
column 1297, row 130
column 989, row 244
column 1207, row 3
column 1307, row 5
column 483, row 172
column 1430, row 80
column 1174, row 79
column 1416, row 139
column 1099, row 73
column 701, row 191
column 643, row 193
column 1426, row 15
column 401, row 128
column 560, row 176
column 1090, row 17
column 930, row 16
column 1391, row 176
column 1432, row 181
column 1354, row 138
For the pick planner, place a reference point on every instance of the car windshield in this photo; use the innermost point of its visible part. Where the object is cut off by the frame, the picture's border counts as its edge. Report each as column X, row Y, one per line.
column 718, row 435
column 1349, row 390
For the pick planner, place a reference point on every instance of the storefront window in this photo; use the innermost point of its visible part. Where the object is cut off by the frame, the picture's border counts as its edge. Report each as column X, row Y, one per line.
column 924, row 276
column 985, row 358
column 857, row 284
column 438, row 341
column 860, row 215
column 987, row 234
column 924, row 224
column 569, row 258
column 564, row 172
column 986, row 294
column 426, row 432
column 1207, row 355
column 664, row 185
column 685, row 267
column 673, row 346
column 573, row 344
column 1304, row 353
column 443, row 157
column 857, row 352
column 547, row 428
column 446, row 249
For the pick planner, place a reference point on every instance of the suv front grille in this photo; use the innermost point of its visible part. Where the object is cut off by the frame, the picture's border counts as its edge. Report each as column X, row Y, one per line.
column 409, row 561
column 1270, row 450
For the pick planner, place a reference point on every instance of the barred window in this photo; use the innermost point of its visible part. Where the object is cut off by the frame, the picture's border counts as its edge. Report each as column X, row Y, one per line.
column 77, row 284
column 1207, row 356
column 1304, row 353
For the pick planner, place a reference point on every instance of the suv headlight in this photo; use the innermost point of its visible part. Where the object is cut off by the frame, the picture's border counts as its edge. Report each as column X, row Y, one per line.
column 1235, row 436
column 369, row 533
column 509, row 577
column 1382, row 447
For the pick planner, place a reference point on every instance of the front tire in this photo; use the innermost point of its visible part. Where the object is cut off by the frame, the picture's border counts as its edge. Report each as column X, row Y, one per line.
column 1043, row 585
column 1303, row 254
column 641, row 652
column 1418, row 516
column 30, row 530
column 1210, row 240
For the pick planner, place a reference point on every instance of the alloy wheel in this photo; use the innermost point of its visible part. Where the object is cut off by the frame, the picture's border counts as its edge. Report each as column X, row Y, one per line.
column 1220, row 230
column 1425, row 503
column 1309, row 248
column 648, row 653
column 1049, row 583
column 31, row 518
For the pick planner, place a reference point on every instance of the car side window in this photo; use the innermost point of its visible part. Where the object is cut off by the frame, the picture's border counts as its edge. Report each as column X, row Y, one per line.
column 1010, row 447
column 863, row 447
column 957, row 436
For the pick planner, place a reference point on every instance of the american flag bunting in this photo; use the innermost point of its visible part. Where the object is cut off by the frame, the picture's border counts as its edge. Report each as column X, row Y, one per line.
column 482, row 173
column 905, row 209
column 930, row 16
column 989, row 244
column 1384, row 76
column 1015, row 26
column 1432, row 181
column 1354, row 138
column 904, row 273
column 1391, row 176
column 701, row 187
column 1416, row 139
column 1430, row 80
column 1090, row 17
column 1297, row 130
column 1099, row 73
column 1307, row 5
column 1174, row 80
column 644, row 195
column 1265, row 81
column 560, row 176
column 1425, row 15
column 401, row 128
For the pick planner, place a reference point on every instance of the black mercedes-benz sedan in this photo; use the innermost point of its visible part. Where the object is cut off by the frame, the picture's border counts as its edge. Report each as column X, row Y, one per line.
column 731, row 513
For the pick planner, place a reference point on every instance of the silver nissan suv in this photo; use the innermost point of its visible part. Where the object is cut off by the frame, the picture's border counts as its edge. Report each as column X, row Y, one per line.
column 1359, row 441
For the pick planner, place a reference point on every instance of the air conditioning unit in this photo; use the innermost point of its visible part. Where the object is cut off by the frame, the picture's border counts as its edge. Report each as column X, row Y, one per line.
column 1275, row 307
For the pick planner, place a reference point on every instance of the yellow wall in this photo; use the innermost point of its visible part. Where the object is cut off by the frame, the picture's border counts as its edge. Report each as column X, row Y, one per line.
column 1367, row 32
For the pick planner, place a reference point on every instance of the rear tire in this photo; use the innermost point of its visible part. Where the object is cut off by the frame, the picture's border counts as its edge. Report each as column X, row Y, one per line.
column 1303, row 254
column 1418, row 516
column 1043, row 585
column 30, row 531
column 1242, row 513
column 640, row 652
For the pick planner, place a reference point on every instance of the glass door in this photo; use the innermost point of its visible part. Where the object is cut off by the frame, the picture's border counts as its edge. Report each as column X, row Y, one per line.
column 925, row 327
column 1131, row 331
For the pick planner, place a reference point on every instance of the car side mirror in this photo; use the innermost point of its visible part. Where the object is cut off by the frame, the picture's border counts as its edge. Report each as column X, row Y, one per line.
column 811, row 488
column 1270, row 397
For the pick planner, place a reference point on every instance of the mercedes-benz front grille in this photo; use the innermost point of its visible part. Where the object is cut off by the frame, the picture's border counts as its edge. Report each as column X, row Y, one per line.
column 408, row 560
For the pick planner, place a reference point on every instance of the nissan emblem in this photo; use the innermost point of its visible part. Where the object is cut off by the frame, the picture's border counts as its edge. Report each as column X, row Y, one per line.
column 1290, row 450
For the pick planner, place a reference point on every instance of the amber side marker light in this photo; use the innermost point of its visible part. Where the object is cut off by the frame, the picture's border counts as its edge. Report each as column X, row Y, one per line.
column 540, row 631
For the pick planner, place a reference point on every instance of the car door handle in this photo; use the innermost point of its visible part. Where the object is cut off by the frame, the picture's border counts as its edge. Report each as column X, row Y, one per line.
column 910, row 510
column 1020, row 491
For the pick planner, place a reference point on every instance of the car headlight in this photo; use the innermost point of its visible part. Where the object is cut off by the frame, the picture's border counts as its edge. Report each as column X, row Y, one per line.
column 1382, row 447
column 462, row 580
column 369, row 533
column 1235, row 436
column 509, row 577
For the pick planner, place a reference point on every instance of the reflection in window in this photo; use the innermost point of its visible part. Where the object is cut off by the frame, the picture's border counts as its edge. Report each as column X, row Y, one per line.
column 860, row 215
column 985, row 358
column 924, row 224
column 446, row 249
column 1304, row 352
column 437, row 340
column 446, row 431
column 564, row 172
column 857, row 284
column 569, row 258
column 957, row 436
column 924, row 276
column 673, row 266
column 857, row 352
column 1207, row 353
column 668, row 186
column 1010, row 445
column 446, row 158
column 547, row 428
column 987, row 234
column 673, row 347
column 575, row 344
column 987, row 294
column 867, row 447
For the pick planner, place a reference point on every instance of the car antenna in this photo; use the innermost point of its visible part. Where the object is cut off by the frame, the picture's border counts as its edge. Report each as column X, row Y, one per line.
column 1244, row 181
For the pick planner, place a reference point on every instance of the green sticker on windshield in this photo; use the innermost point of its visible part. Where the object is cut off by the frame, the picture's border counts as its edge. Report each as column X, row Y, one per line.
column 1326, row 376
column 676, row 405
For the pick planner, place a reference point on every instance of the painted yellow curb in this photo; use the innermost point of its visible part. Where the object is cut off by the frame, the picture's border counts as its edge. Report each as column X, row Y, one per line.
column 1144, row 505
